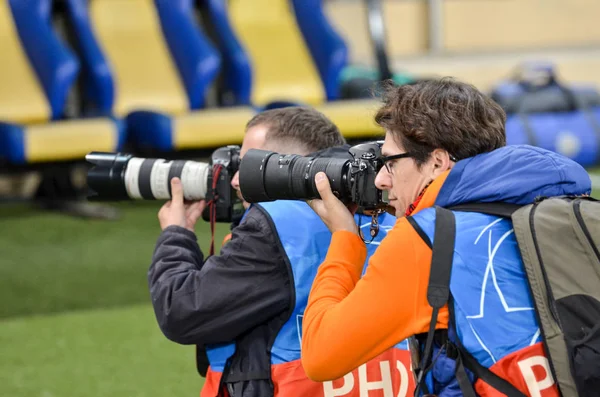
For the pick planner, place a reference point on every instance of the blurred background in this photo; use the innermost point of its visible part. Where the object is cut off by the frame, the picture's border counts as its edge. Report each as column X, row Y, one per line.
column 179, row 78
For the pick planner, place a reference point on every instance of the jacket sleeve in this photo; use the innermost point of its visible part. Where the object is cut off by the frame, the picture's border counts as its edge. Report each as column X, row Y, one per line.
column 215, row 301
column 350, row 320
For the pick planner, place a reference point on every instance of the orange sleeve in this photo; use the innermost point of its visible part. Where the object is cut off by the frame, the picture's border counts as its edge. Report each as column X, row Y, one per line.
column 350, row 320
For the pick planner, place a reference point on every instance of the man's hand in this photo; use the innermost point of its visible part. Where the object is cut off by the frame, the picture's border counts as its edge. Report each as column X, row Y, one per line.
column 176, row 212
column 331, row 210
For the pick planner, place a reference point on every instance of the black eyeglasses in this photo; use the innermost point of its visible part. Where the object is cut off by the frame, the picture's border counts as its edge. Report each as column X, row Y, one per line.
column 388, row 159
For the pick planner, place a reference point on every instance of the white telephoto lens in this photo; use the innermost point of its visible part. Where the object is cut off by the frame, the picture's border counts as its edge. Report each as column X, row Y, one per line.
column 132, row 175
column 159, row 180
column 150, row 178
column 194, row 178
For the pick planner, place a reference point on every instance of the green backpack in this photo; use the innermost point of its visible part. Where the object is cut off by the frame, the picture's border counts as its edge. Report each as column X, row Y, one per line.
column 559, row 241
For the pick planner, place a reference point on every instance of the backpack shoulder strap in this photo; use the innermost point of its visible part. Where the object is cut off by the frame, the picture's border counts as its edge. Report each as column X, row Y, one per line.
column 466, row 360
column 438, row 290
column 438, row 295
column 504, row 210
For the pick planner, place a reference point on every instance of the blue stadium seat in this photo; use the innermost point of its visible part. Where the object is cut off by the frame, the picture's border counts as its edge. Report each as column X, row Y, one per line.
column 328, row 49
column 148, row 61
column 285, row 51
column 37, row 73
column 269, row 46
column 551, row 115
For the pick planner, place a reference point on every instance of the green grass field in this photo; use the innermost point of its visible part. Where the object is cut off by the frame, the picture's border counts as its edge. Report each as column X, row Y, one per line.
column 93, row 353
column 53, row 263
column 75, row 318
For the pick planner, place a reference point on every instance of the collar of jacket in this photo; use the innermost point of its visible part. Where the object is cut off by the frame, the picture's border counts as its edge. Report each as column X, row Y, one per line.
column 428, row 197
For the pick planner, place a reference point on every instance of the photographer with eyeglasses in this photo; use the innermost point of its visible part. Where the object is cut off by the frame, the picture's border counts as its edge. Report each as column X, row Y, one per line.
column 444, row 147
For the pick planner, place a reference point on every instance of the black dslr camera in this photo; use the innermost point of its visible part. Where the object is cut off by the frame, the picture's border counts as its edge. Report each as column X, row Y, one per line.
column 119, row 176
column 226, row 205
column 269, row 176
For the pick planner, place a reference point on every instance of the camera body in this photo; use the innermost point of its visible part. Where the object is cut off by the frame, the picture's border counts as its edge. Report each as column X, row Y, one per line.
column 363, row 170
column 222, row 198
column 121, row 176
column 269, row 176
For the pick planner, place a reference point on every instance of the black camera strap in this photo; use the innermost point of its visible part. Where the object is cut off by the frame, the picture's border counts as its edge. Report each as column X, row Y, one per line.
column 212, row 205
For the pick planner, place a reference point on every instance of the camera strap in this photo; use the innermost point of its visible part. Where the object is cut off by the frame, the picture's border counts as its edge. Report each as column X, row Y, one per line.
column 374, row 230
column 212, row 206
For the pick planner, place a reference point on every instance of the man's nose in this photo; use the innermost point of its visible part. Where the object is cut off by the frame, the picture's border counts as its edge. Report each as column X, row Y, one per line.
column 382, row 179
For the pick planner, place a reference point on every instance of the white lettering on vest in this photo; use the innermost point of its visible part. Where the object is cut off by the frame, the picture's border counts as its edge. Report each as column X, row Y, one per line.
column 403, row 379
column 347, row 386
column 384, row 384
column 534, row 386
column 365, row 385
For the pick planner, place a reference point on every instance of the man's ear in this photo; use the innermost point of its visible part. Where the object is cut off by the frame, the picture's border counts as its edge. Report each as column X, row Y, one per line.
column 440, row 162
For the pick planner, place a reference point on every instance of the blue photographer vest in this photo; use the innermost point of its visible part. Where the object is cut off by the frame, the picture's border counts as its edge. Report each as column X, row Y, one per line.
column 306, row 241
column 494, row 314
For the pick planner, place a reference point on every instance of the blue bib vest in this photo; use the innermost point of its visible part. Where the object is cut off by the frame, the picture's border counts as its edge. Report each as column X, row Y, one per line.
column 494, row 314
column 305, row 240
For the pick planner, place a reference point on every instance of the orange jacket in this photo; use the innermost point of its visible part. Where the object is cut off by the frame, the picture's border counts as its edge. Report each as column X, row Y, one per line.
column 349, row 320
column 386, row 374
column 387, row 305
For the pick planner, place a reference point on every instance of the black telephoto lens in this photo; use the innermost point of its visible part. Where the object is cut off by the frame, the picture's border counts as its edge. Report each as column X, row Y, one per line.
column 337, row 173
column 252, row 175
column 267, row 176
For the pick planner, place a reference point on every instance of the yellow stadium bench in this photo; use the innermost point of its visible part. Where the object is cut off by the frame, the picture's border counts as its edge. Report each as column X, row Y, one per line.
column 286, row 51
column 37, row 73
column 148, row 62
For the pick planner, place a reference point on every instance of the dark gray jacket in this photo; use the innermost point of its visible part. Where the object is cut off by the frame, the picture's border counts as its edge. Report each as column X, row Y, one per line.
column 242, row 295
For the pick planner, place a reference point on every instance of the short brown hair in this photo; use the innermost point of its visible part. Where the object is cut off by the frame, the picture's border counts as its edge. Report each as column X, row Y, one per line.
column 445, row 114
column 299, row 126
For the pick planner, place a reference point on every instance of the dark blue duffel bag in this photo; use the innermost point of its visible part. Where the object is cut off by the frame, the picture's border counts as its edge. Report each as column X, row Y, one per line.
column 546, row 113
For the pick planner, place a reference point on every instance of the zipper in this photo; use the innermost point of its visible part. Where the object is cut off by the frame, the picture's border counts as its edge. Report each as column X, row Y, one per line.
column 584, row 228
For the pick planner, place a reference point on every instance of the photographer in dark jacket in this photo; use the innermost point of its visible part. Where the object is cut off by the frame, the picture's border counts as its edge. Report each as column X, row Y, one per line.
column 245, row 305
